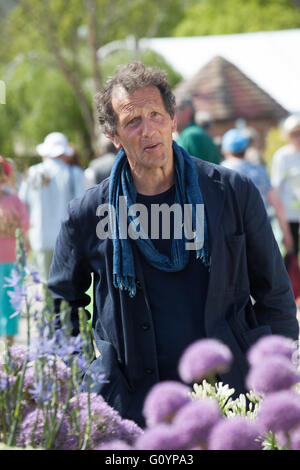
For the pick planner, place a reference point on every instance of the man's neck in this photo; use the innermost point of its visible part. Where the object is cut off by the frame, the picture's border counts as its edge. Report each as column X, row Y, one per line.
column 154, row 181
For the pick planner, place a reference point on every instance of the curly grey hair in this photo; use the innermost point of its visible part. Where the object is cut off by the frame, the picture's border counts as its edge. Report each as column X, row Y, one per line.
column 131, row 77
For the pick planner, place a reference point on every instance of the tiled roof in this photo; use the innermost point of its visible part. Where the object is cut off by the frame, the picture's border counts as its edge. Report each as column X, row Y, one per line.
column 226, row 92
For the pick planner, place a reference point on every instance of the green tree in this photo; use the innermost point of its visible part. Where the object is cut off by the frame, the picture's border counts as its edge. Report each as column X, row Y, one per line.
column 58, row 43
column 212, row 17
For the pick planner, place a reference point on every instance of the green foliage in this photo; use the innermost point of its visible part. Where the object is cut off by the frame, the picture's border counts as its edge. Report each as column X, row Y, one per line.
column 211, row 17
column 46, row 63
column 148, row 57
column 38, row 101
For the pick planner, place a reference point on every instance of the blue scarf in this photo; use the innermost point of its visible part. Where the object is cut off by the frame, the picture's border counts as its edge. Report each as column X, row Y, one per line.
column 187, row 191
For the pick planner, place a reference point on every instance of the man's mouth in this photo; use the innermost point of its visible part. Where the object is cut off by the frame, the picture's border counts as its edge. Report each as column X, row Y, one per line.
column 152, row 147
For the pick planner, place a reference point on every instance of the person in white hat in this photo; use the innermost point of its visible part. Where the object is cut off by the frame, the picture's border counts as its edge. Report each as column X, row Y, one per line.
column 47, row 190
column 285, row 175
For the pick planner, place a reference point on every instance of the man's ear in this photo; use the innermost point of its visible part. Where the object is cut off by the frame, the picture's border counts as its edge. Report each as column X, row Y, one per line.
column 115, row 140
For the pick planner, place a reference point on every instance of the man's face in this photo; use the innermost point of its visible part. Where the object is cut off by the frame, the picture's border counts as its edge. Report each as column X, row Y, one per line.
column 144, row 128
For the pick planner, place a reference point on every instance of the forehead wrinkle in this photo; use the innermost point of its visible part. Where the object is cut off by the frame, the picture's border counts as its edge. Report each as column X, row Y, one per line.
column 129, row 103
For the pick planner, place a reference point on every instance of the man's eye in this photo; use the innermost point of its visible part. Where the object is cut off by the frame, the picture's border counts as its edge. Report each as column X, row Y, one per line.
column 132, row 122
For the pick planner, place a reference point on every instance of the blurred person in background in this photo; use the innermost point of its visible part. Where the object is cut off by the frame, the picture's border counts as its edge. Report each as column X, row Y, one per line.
column 193, row 138
column 47, row 190
column 253, row 153
column 13, row 215
column 285, row 175
column 100, row 167
column 234, row 146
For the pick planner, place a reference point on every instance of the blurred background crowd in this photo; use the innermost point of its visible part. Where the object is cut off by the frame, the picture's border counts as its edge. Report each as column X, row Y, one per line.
column 54, row 56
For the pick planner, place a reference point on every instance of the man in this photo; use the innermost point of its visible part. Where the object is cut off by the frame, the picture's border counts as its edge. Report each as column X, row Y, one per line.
column 285, row 175
column 192, row 137
column 154, row 295
column 234, row 147
column 47, row 190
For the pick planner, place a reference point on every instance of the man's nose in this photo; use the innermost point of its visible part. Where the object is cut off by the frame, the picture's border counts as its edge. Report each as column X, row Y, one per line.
column 148, row 127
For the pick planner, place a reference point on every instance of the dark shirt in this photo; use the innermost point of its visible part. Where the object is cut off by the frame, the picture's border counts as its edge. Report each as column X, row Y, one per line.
column 177, row 299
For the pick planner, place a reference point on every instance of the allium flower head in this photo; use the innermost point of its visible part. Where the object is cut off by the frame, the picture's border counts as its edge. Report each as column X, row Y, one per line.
column 202, row 359
column 129, row 431
column 271, row 375
column 164, row 400
column 105, row 420
column 280, row 411
column 16, row 359
column 31, row 431
column 113, row 445
column 295, row 438
column 271, row 345
column 235, row 433
column 39, row 386
column 195, row 421
column 161, row 437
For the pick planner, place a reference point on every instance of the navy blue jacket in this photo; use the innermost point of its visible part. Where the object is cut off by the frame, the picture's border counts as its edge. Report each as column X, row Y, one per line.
column 245, row 260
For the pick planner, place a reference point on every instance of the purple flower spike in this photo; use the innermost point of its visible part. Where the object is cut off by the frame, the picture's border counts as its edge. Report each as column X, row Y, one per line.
column 204, row 358
column 235, row 433
column 161, row 437
column 116, row 444
column 271, row 345
column 196, row 420
column 163, row 401
column 271, row 375
column 280, row 411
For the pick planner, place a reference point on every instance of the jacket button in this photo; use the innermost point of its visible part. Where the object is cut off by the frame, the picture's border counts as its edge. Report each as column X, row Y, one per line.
column 138, row 285
column 149, row 371
column 145, row 326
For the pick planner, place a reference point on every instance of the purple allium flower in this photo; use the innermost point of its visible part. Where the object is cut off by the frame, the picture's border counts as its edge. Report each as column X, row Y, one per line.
column 237, row 433
column 32, row 429
column 271, row 345
column 129, row 431
column 105, row 420
column 280, row 411
column 40, row 386
column 163, row 401
column 195, row 421
column 15, row 360
column 271, row 375
column 204, row 358
column 295, row 439
column 113, row 445
column 160, row 437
